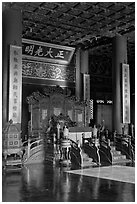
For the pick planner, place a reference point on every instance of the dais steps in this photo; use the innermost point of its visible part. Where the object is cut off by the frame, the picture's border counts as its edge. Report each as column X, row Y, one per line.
column 117, row 156
column 86, row 160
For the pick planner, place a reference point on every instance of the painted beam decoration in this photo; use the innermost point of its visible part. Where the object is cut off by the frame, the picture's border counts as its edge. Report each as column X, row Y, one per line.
column 46, row 51
column 15, row 83
column 125, row 93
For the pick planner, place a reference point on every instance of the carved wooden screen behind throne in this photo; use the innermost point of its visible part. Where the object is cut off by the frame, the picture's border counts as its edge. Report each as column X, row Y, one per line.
column 39, row 110
column 57, row 104
column 53, row 102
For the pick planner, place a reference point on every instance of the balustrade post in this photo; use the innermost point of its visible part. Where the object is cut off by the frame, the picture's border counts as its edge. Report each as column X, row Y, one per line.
column 129, row 145
column 106, row 134
column 96, row 142
column 114, row 135
column 109, row 142
column 132, row 130
column 83, row 136
column 65, row 151
column 129, row 140
column 98, row 133
column 58, row 132
column 54, row 138
column 29, row 147
column 58, row 152
column 99, row 162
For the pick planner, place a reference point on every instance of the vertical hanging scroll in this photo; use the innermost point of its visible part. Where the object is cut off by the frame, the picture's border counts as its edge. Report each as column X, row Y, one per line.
column 125, row 93
column 15, row 83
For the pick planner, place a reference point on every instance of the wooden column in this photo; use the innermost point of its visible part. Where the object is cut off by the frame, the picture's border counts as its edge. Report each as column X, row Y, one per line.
column 119, row 53
column 86, row 83
column 85, row 71
column 78, row 92
column 84, row 62
column 12, row 35
column 82, row 67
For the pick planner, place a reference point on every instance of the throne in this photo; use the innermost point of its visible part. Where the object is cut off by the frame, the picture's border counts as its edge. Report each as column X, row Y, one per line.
column 56, row 104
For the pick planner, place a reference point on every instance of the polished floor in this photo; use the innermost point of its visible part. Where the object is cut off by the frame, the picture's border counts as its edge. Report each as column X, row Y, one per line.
column 45, row 183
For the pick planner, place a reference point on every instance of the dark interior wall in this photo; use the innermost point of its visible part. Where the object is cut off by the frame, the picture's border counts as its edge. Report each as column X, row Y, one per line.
column 101, row 80
column 104, row 113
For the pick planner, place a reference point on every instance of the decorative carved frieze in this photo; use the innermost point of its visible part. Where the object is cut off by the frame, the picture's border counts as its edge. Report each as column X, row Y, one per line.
column 42, row 70
column 31, row 100
column 56, row 90
column 100, row 67
column 36, row 96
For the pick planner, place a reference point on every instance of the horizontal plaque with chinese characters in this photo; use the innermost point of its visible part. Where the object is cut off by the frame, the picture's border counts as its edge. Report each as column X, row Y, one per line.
column 125, row 93
column 15, row 83
column 47, row 52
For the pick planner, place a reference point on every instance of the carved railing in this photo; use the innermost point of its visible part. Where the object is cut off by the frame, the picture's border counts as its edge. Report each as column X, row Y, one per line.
column 91, row 149
column 125, row 145
column 105, row 154
column 75, row 153
column 30, row 148
column 100, row 153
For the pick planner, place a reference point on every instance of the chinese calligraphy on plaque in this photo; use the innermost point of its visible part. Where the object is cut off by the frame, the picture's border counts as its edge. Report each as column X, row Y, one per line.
column 15, row 83
column 50, row 52
column 126, row 93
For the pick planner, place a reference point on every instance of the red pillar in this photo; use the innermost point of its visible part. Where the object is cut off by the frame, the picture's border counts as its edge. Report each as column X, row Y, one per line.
column 11, row 34
column 82, row 67
column 119, row 56
column 78, row 92
column 84, row 62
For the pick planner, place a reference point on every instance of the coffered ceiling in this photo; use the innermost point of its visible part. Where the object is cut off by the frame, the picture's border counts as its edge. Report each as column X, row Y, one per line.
column 89, row 25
